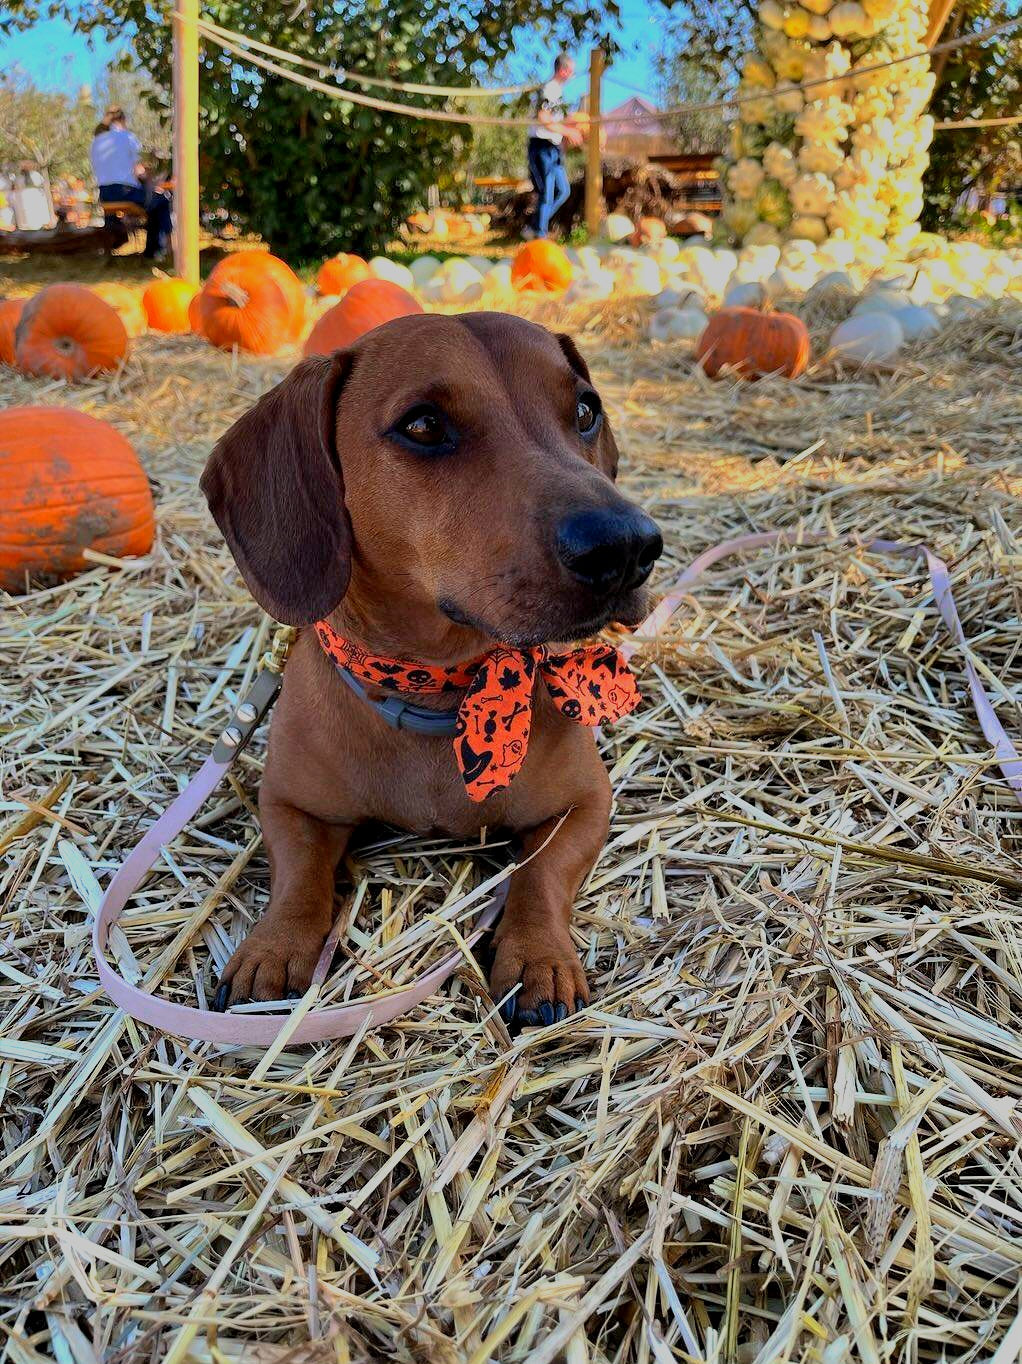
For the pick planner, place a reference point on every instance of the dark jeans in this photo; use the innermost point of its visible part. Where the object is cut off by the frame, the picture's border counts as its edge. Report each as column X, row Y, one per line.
column 546, row 167
column 156, row 205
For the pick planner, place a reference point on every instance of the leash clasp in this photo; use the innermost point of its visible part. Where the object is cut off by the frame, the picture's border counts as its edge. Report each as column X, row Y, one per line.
column 256, row 702
column 276, row 656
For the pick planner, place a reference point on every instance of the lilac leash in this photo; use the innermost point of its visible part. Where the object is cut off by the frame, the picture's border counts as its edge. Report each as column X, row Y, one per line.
column 320, row 1025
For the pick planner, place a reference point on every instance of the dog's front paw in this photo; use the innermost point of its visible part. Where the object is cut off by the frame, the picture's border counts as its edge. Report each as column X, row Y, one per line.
column 276, row 961
column 552, row 982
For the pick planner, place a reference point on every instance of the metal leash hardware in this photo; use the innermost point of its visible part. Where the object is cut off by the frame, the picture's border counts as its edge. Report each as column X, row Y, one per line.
column 255, row 704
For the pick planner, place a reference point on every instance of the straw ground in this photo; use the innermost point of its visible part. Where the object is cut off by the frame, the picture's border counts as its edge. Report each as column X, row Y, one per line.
column 789, row 1126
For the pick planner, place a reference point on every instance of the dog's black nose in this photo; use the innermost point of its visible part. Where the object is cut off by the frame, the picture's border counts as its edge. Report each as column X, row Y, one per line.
column 610, row 550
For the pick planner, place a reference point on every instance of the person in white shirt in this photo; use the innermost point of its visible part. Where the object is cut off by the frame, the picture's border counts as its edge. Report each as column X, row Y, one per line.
column 115, row 154
column 546, row 161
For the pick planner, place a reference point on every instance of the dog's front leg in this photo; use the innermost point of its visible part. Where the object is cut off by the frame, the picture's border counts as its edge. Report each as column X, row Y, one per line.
column 279, row 956
column 532, row 942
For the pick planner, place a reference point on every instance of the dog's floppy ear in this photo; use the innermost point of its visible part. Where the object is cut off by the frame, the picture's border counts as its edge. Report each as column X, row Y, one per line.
column 275, row 488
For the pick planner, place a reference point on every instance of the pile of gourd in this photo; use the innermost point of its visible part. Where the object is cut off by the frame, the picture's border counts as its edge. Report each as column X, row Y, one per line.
column 844, row 157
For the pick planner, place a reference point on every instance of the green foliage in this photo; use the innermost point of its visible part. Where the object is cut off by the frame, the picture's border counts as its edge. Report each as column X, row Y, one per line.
column 698, row 61
column 48, row 128
column 984, row 81
column 314, row 175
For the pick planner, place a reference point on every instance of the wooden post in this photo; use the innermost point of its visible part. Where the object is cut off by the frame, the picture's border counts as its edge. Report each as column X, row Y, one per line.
column 940, row 13
column 594, row 169
column 186, row 140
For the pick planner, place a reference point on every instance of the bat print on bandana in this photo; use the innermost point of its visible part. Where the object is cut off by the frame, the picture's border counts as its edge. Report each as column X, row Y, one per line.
column 592, row 686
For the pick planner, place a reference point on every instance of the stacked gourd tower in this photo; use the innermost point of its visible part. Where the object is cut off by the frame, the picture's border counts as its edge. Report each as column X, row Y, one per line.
column 843, row 159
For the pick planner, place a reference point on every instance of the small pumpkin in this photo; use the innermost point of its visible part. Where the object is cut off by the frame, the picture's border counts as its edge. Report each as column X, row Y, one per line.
column 127, row 304
column 253, row 301
column 167, row 304
column 337, row 275
column 363, row 307
column 71, row 483
column 67, row 332
column 10, row 311
column 542, row 267
column 754, row 343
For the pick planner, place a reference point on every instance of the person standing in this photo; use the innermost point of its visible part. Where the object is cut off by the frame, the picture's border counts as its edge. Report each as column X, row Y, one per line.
column 551, row 129
column 115, row 154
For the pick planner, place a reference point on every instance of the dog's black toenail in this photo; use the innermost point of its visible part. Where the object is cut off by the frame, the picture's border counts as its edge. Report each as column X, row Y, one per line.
column 546, row 1013
column 528, row 1018
column 579, row 1004
column 293, row 994
column 507, row 1009
column 561, row 1013
column 221, row 997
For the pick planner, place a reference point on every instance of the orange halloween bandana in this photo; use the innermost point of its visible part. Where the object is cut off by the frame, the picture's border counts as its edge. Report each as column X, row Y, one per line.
column 591, row 685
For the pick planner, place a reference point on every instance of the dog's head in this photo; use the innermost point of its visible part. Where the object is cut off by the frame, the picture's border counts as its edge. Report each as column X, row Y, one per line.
column 464, row 464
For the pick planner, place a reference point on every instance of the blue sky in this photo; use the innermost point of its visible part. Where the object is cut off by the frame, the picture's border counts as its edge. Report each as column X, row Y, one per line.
column 55, row 56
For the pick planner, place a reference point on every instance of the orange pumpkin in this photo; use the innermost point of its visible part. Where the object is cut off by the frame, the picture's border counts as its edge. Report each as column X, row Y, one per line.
column 541, row 267
column 648, row 231
column 363, row 307
column 754, row 343
column 126, row 303
column 167, row 303
column 66, row 332
column 253, row 301
column 10, row 311
column 70, row 483
column 336, row 276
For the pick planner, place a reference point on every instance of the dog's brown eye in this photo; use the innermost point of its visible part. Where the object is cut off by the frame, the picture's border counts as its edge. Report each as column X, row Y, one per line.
column 587, row 413
column 426, row 429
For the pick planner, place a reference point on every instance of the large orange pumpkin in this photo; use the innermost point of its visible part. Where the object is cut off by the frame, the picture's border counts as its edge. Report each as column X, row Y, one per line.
column 126, row 303
column 253, row 301
column 70, row 483
column 337, row 275
column 10, row 311
column 754, row 343
column 167, row 303
column 363, row 307
column 66, row 332
column 541, row 267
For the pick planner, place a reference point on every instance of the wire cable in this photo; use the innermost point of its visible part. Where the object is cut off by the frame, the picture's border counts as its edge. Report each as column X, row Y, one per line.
column 451, row 116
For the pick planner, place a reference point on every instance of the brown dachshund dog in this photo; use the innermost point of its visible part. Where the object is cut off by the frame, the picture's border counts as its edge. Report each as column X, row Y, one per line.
column 445, row 485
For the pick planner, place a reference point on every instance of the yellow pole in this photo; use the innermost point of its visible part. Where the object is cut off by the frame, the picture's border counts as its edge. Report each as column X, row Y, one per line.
column 594, row 169
column 186, row 139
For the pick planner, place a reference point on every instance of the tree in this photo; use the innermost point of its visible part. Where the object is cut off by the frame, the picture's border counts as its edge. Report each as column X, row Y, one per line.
column 981, row 81
column 48, row 128
column 309, row 173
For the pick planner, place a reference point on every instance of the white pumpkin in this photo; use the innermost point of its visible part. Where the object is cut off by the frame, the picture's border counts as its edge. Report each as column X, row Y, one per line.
column 771, row 14
column 456, row 282
column 680, row 295
column 917, row 323
column 677, row 324
column 591, row 287
column 667, row 251
column 817, row 6
column 498, row 278
column 822, row 157
column 641, row 276
column 870, row 338
column 808, row 226
column 745, row 294
column 616, row 227
column 763, row 234
column 835, row 284
column 819, row 28
column 882, row 301
column 423, row 269
column 383, row 268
